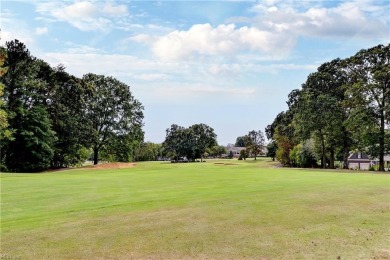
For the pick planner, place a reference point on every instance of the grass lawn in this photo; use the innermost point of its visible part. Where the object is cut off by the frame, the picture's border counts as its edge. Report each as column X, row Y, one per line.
column 242, row 209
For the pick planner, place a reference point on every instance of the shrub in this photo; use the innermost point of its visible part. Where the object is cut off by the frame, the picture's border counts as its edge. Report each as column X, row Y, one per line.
column 303, row 155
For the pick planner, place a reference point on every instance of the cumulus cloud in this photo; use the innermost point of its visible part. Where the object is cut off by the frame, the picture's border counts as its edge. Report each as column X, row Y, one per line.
column 203, row 39
column 273, row 31
column 359, row 19
column 83, row 15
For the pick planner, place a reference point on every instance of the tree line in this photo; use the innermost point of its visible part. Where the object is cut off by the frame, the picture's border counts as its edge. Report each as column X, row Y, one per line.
column 342, row 107
column 51, row 119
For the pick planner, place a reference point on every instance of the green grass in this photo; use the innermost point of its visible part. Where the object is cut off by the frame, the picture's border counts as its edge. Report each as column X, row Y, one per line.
column 196, row 210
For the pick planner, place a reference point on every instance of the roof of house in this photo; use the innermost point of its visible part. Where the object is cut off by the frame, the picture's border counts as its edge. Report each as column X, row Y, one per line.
column 355, row 156
column 234, row 148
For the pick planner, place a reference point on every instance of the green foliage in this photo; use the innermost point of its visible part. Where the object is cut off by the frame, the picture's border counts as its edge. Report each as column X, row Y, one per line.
column 111, row 112
column 75, row 114
column 303, row 155
column 67, row 115
column 5, row 133
column 78, row 157
column 369, row 98
column 189, row 142
column 342, row 106
column 284, row 136
column 243, row 154
column 149, row 152
column 121, row 148
column 255, row 142
column 32, row 146
column 272, row 147
column 217, row 151
column 32, row 150
column 240, row 141
column 204, row 137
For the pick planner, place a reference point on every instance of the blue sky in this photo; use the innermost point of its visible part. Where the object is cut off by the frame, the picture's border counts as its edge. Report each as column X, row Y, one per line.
column 228, row 64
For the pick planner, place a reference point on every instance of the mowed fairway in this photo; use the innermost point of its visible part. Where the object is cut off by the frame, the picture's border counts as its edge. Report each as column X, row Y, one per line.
column 206, row 210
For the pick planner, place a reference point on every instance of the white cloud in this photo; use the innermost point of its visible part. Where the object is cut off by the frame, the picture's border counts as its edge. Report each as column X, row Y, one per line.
column 80, row 60
column 12, row 28
column 224, row 69
column 273, row 32
column 141, row 38
column 83, row 15
column 203, row 39
column 358, row 19
column 41, row 30
column 189, row 90
column 114, row 10
column 152, row 76
column 21, row 35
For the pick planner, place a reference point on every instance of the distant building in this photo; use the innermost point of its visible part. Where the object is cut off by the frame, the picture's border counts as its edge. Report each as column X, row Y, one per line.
column 386, row 159
column 359, row 160
column 235, row 150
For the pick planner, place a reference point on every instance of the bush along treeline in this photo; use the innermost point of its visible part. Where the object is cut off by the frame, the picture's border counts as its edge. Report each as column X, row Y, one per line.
column 342, row 107
column 51, row 119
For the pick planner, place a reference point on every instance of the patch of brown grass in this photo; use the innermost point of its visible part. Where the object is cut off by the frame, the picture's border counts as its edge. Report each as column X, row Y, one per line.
column 220, row 164
column 115, row 165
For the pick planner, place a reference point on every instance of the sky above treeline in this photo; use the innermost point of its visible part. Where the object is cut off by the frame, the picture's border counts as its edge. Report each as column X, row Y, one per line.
column 228, row 64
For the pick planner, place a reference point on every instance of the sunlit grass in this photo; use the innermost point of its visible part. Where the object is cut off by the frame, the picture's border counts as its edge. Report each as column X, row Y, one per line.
column 218, row 209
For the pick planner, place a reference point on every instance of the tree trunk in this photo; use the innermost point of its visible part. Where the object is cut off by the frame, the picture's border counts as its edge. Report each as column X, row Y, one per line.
column 345, row 148
column 346, row 155
column 323, row 157
column 382, row 142
column 201, row 158
column 331, row 162
column 95, row 155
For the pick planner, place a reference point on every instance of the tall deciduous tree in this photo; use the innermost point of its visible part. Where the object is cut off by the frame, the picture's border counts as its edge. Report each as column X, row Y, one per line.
column 255, row 142
column 191, row 142
column 319, row 116
column 172, row 144
column 66, row 107
column 326, row 89
column 204, row 137
column 282, row 131
column 369, row 97
column 111, row 110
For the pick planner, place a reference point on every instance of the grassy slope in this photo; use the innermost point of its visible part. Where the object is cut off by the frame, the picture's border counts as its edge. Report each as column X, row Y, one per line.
column 164, row 210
